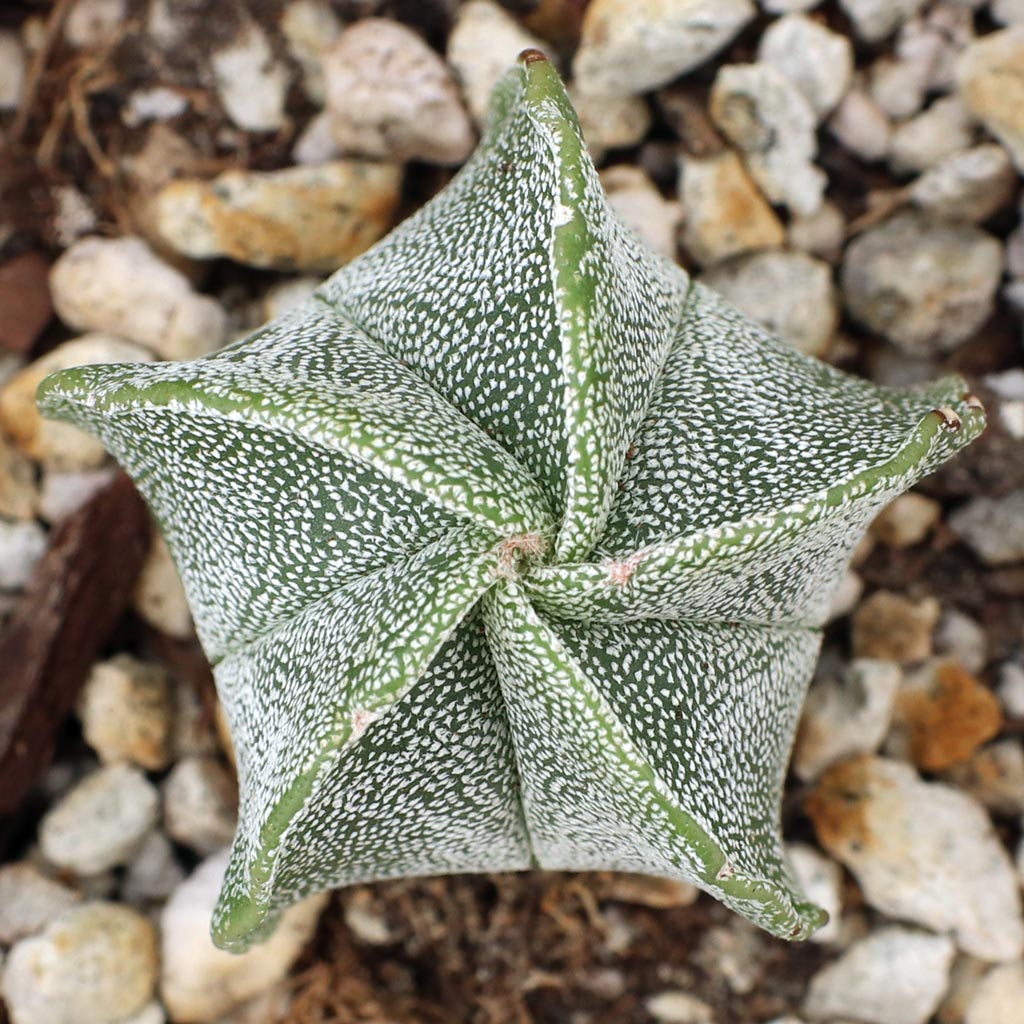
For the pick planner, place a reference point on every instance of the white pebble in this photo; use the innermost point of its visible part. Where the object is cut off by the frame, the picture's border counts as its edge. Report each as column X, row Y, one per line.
column 309, row 28
column 673, row 1007
column 200, row 982
column 12, row 70
column 993, row 528
column 29, row 901
column 101, row 822
column 767, row 117
column 933, row 135
column 821, row 234
column 817, row 60
column 970, row 185
column 96, row 964
column 120, row 286
column 21, row 547
column 391, row 97
column 999, row 999
column 893, row 976
column 822, row 880
column 629, row 47
column 251, row 83
column 610, row 123
column 154, row 872
column 861, row 125
column 873, row 20
column 637, row 201
column 64, row 493
column 315, row 144
column 200, row 804
column 91, row 23
column 159, row 596
column 1011, row 688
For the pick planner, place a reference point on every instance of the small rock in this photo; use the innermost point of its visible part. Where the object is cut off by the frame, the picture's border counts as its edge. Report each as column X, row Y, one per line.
column 126, row 710
column 641, row 207
column 735, row 952
column 101, row 822
column 760, row 110
column 310, row 27
column 151, row 1013
column 120, row 286
column 200, row 804
column 789, row 293
column 156, row 104
column 301, row 218
column 968, row 186
column 899, row 86
column 821, row 234
column 193, row 731
column 365, row 919
column 723, row 212
column 159, row 596
column 154, row 872
column 847, row 716
column 643, row 890
column 481, row 47
column 923, row 852
column 937, row 133
column 847, row 597
column 873, row 20
column 251, row 83
column 788, row 7
column 906, row 521
column 999, row 997
column 200, row 982
column 91, row 23
column 942, row 715
column 818, row 61
column 391, row 97
column 96, row 964
column 64, row 493
column 1011, row 688
column 894, row 628
column 959, row 635
column 73, row 217
column 993, row 528
column 609, row 123
column 287, row 295
column 12, row 70
column 21, row 547
column 861, row 125
column 626, row 48
column 674, row 1007
column 58, row 445
column 822, row 880
column 29, row 901
column 964, row 979
column 991, row 76
column 925, row 286
column 18, row 496
column 315, row 144
column 893, row 976
column 995, row 776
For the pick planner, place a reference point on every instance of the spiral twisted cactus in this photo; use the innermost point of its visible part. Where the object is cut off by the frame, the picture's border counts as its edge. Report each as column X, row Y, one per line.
column 511, row 548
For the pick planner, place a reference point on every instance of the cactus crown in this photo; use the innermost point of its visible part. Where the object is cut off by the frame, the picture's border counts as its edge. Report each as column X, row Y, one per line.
column 511, row 548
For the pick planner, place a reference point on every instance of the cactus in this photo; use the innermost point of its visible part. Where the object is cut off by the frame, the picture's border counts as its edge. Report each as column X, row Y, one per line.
column 511, row 548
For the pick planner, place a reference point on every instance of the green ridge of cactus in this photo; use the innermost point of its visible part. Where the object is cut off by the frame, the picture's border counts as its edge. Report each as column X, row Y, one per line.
column 511, row 548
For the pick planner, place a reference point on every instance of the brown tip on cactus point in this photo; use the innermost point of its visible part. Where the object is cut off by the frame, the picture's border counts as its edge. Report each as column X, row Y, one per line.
column 531, row 56
column 972, row 401
column 948, row 416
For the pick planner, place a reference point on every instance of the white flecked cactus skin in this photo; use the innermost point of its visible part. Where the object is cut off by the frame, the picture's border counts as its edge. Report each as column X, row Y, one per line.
column 512, row 547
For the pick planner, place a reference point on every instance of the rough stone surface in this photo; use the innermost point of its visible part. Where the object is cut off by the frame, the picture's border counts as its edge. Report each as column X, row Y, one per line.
column 962, row 637
column 893, row 976
column 922, row 852
column 999, row 998
column 12, row 70
column 391, row 97
column 942, row 715
column 120, row 286
column 302, row 218
column 817, row 60
column 482, row 44
column 861, row 125
column 822, row 880
column 991, row 76
column 995, row 776
column 633, row 46
column 126, row 712
column 906, row 521
column 925, row 286
column 993, row 528
column 821, row 234
column 58, row 445
column 309, row 28
column 610, row 123
column 62, row 494
column 200, row 804
column 154, row 872
column 96, row 964
column 640, row 205
column 969, row 186
column 101, row 822
column 723, row 212
column 252, row 84
column 873, row 20
column 898, row 86
column 29, row 901
column 1011, row 688
column 790, row 293
column 894, row 628
column 159, row 596
column 763, row 113
column 21, row 547
column 932, row 136
column 200, row 982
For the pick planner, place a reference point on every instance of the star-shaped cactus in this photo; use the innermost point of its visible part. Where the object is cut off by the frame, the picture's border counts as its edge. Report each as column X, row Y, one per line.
column 512, row 547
